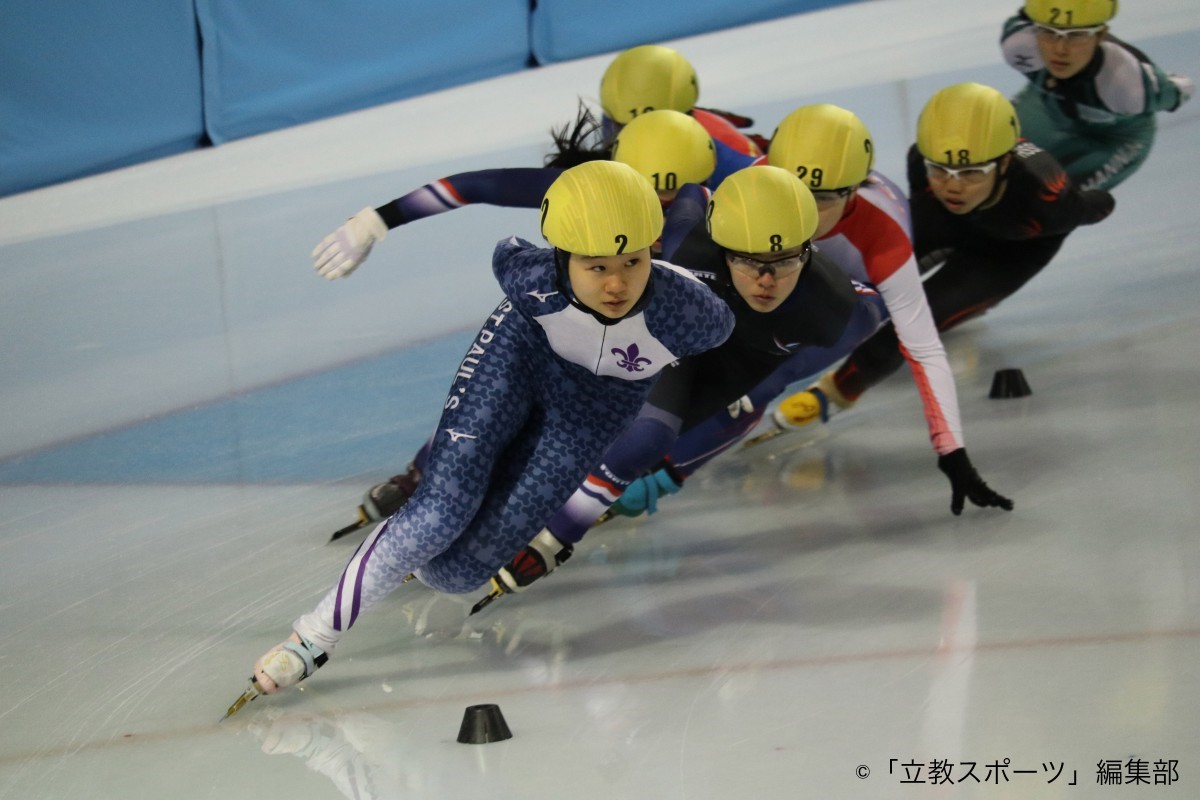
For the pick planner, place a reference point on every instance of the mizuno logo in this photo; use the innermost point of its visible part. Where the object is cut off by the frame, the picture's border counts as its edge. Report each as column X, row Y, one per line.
column 541, row 296
column 456, row 435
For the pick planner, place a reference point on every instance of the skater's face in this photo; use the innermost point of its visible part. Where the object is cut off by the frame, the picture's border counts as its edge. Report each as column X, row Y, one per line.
column 764, row 280
column 1066, row 51
column 963, row 189
column 831, row 206
column 610, row 285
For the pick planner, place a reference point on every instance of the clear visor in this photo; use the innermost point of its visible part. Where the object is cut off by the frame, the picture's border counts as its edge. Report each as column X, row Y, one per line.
column 1068, row 35
column 975, row 173
column 827, row 197
column 779, row 268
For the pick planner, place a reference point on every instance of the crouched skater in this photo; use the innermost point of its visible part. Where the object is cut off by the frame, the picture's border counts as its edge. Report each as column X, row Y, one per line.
column 558, row 370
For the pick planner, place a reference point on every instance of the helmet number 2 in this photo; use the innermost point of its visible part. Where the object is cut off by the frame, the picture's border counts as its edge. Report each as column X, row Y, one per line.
column 622, row 240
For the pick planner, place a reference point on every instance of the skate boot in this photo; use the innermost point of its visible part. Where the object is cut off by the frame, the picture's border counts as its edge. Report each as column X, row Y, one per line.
column 821, row 401
column 802, row 408
column 535, row 560
column 385, row 499
column 284, row 665
column 287, row 664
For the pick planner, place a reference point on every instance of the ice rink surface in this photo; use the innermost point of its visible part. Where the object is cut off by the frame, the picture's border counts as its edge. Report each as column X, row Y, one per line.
column 806, row 619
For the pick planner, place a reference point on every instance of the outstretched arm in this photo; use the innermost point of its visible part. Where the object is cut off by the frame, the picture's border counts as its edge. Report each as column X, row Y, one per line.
column 340, row 253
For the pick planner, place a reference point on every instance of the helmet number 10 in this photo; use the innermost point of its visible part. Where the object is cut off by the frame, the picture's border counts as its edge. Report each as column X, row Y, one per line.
column 665, row 182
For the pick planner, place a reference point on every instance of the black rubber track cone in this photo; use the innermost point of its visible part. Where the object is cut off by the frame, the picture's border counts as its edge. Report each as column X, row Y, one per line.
column 1009, row 383
column 483, row 724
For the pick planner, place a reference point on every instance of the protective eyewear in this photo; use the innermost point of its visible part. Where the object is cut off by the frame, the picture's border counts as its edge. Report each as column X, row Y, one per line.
column 976, row 173
column 1068, row 35
column 782, row 268
column 827, row 197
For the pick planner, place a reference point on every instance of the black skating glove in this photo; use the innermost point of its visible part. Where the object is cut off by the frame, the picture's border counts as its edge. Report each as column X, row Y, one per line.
column 535, row 560
column 965, row 483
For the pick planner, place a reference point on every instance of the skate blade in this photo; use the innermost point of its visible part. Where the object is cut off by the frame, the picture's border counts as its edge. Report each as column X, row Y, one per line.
column 358, row 524
column 487, row 600
column 605, row 517
column 764, row 437
column 252, row 692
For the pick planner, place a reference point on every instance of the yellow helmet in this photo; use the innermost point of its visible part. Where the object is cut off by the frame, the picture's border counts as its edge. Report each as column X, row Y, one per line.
column 667, row 147
column 825, row 146
column 647, row 78
column 1070, row 13
column 967, row 123
column 762, row 209
column 601, row 208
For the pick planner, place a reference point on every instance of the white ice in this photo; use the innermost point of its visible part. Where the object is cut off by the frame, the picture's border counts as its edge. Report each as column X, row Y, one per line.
column 190, row 411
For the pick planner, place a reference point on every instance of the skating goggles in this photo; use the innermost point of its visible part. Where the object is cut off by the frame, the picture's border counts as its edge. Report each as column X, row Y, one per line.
column 974, row 174
column 827, row 197
column 1068, row 35
column 782, row 268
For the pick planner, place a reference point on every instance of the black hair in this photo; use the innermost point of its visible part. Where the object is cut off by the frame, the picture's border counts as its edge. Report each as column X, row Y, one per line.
column 579, row 141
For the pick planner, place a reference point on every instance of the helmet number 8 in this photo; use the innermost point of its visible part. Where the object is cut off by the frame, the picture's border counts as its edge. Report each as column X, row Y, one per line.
column 776, row 242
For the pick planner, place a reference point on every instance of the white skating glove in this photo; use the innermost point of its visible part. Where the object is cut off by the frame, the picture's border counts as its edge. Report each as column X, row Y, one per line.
column 1185, row 86
column 342, row 251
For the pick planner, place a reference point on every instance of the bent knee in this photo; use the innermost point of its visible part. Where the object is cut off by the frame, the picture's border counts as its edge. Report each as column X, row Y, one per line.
column 456, row 573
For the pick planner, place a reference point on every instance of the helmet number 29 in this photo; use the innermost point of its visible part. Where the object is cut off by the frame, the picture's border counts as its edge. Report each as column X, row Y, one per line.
column 815, row 175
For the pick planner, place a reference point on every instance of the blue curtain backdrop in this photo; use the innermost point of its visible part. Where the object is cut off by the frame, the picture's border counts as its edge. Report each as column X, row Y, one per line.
column 88, row 87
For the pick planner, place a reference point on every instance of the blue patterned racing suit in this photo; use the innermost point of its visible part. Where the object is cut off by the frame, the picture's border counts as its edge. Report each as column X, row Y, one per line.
column 545, row 387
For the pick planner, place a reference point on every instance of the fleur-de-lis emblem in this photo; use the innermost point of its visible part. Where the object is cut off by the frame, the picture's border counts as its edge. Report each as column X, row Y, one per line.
column 631, row 358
